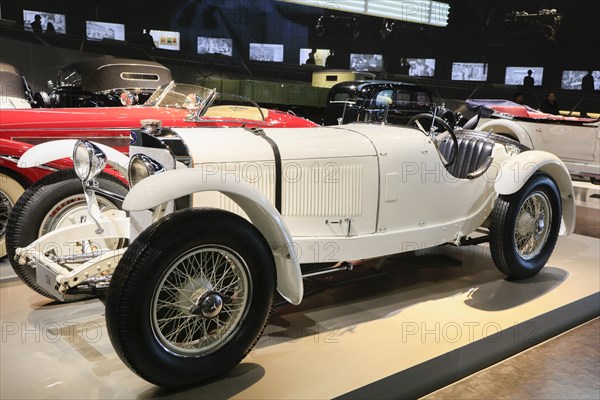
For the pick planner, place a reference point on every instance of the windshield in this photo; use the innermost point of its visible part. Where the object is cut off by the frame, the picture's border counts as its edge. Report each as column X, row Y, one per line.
column 178, row 95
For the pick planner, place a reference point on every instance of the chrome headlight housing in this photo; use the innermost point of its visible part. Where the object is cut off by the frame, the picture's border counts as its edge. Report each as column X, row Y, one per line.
column 88, row 160
column 141, row 167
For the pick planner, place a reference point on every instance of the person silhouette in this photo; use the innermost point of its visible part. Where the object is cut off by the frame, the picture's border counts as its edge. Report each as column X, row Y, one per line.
column 331, row 61
column 50, row 29
column 587, row 87
column 311, row 57
column 587, row 83
column 404, row 67
column 147, row 40
column 36, row 25
column 550, row 105
column 519, row 98
column 528, row 81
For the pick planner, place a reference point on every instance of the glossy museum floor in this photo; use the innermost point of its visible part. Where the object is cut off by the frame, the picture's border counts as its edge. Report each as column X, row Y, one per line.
column 354, row 340
column 395, row 327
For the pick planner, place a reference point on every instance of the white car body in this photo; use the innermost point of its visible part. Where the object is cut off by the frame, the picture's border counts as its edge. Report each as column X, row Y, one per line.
column 191, row 295
column 350, row 192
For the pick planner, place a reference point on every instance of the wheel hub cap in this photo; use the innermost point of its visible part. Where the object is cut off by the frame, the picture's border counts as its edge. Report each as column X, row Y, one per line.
column 539, row 226
column 209, row 306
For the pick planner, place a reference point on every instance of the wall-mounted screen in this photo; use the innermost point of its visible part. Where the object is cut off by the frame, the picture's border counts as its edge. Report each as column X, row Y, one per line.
column 571, row 80
column 58, row 21
column 421, row 66
column 516, row 75
column 366, row 62
column 96, row 30
column 469, row 71
column 210, row 45
column 266, row 52
column 320, row 56
column 168, row 40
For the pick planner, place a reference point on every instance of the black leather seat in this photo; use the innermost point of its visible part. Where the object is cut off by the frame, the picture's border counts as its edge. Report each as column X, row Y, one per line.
column 473, row 151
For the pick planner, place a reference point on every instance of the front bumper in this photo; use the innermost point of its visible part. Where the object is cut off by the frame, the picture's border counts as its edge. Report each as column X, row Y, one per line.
column 60, row 269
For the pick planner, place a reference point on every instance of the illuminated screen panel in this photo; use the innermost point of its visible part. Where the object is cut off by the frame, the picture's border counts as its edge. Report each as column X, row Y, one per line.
column 469, row 71
column 515, row 75
column 421, row 66
column 211, row 45
column 59, row 21
column 426, row 12
column 571, row 80
column 366, row 62
column 96, row 30
column 320, row 56
column 266, row 52
column 168, row 40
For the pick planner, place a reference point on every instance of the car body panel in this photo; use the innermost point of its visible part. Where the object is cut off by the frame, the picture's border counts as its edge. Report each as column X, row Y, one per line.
column 516, row 171
column 576, row 141
column 108, row 126
column 14, row 90
column 407, row 200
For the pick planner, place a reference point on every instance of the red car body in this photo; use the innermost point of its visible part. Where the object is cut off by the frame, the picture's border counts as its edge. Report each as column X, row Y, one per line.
column 24, row 128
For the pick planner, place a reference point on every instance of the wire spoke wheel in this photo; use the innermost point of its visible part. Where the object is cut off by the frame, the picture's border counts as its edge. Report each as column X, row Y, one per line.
column 190, row 297
column 524, row 227
column 201, row 299
column 6, row 206
column 533, row 225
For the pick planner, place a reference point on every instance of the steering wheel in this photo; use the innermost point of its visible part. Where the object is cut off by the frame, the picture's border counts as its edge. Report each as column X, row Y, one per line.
column 440, row 133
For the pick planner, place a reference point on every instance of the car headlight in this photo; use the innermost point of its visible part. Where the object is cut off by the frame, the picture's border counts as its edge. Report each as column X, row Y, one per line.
column 141, row 167
column 128, row 98
column 88, row 160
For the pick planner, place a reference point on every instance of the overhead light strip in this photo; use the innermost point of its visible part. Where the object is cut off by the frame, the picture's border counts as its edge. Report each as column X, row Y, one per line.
column 426, row 12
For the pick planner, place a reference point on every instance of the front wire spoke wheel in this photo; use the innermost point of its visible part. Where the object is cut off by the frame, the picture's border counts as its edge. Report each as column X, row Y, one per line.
column 199, row 302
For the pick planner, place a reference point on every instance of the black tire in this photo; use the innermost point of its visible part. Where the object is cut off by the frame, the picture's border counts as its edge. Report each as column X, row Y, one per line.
column 503, row 228
column 146, row 267
column 10, row 191
column 30, row 211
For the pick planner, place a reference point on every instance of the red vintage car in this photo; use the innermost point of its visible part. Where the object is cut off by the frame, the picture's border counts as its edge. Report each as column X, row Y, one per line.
column 175, row 105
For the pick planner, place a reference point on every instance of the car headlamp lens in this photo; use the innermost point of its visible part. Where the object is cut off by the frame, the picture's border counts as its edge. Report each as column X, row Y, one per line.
column 88, row 160
column 141, row 167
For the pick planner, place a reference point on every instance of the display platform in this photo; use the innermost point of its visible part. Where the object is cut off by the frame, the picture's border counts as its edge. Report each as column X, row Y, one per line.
column 399, row 330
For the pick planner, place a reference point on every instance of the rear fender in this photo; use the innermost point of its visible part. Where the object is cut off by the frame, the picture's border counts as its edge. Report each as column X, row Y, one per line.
column 508, row 128
column 516, row 171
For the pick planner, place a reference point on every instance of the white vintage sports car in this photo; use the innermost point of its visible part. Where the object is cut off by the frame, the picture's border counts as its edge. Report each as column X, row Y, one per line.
column 576, row 141
column 221, row 218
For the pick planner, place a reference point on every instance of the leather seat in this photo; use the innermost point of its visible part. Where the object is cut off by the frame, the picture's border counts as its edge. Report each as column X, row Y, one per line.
column 473, row 150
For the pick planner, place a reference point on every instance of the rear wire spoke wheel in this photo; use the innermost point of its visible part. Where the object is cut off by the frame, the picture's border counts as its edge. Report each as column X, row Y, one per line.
column 524, row 227
column 190, row 297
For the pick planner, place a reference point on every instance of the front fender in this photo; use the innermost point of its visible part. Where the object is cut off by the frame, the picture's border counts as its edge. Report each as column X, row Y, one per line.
column 170, row 185
column 516, row 171
column 508, row 128
column 46, row 152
